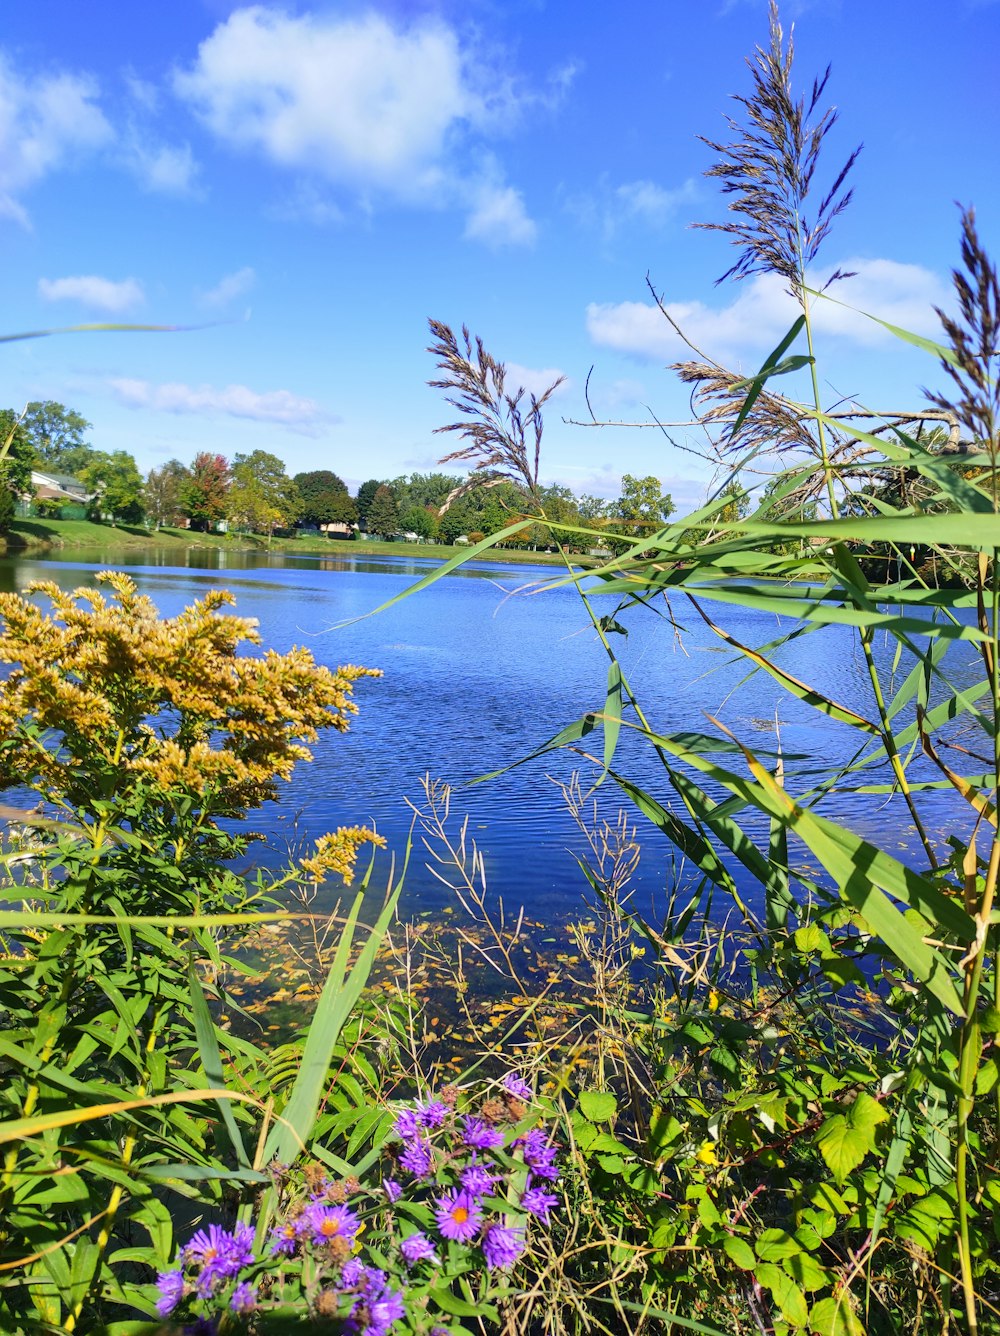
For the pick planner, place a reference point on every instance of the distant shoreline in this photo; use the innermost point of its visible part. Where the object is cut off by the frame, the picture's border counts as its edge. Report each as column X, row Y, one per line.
column 66, row 536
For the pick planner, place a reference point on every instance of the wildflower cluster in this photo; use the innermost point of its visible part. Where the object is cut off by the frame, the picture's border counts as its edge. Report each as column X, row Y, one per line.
column 438, row 1227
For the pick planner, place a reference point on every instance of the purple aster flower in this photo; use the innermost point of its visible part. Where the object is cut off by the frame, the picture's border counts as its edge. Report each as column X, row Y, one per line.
column 170, row 1285
column 458, row 1216
column 431, row 1113
column 514, row 1086
column 324, row 1223
column 502, row 1246
column 285, row 1239
column 243, row 1236
column 536, row 1148
column 384, row 1311
column 202, row 1326
column 407, row 1125
column 351, row 1273
column 417, row 1159
column 539, row 1202
column 244, row 1298
column 477, row 1179
column 392, row 1190
column 479, row 1135
column 416, row 1248
column 219, row 1254
column 550, row 1172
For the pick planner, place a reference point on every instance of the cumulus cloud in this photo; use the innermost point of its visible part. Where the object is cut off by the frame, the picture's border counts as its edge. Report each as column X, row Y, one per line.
column 762, row 311
column 230, row 286
column 45, row 120
column 162, row 169
column 499, row 218
column 102, row 294
column 536, row 382
column 365, row 105
column 281, row 406
column 608, row 208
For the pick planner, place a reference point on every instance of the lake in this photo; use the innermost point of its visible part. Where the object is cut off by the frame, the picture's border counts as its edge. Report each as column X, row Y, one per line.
column 482, row 668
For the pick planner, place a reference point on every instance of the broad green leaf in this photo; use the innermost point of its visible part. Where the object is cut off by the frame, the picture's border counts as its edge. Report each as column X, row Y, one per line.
column 785, row 1293
column 598, row 1106
column 739, row 1252
column 846, row 1138
column 835, row 1316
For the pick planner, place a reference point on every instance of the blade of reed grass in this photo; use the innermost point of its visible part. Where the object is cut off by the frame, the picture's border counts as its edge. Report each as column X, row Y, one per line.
column 340, row 994
column 772, row 367
column 211, row 1060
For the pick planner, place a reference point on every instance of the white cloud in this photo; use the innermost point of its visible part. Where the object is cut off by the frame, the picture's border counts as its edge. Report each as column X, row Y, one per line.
column 902, row 294
column 162, row 169
column 369, row 106
column 608, row 208
column 103, row 294
column 281, row 406
column 230, row 286
column 499, row 218
column 45, row 120
column 351, row 97
column 536, row 382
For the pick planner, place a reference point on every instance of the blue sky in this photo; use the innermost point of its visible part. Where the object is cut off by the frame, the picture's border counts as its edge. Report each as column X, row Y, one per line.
column 314, row 181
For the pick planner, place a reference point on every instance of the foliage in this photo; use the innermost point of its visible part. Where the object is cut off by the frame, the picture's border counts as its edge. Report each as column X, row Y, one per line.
column 365, row 497
column 140, row 735
column 56, row 434
column 165, row 491
column 383, row 514
column 803, row 1131
column 117, row 484
column 323, row 499
column 204, row 494
column 261, row 496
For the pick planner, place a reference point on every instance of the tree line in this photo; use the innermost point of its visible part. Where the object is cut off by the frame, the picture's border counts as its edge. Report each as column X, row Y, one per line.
column 253, row 492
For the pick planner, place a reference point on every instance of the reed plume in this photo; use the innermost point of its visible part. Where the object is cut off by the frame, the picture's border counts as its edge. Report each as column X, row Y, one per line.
column 496, row 422
column 769, row 168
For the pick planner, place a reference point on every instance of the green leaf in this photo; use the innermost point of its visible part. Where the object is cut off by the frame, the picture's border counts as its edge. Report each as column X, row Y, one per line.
column 772, row 367
column 834, row 1316
column 739, row 1252
column 211, row 1060
column 598, row 1106
column 612, row 712
column 772, row 1245
column 785, row 1293
column 845, row 1139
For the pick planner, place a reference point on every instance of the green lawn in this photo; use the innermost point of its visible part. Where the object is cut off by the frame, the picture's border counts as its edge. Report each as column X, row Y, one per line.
column 69, row 534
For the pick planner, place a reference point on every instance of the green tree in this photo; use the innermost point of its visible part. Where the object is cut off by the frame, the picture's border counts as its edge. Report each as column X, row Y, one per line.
column 419, row 520
column 165, row 490
column 365, row 497
column 203, row 497
column 117, row 483
column 422, row 489
column 15, row 467
column 640, row 509
column 383, row 514
column 57, row 433
column 261, row 497
column 324, row 499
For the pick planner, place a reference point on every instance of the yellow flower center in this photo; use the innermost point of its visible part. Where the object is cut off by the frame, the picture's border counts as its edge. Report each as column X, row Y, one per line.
column 460, row 1214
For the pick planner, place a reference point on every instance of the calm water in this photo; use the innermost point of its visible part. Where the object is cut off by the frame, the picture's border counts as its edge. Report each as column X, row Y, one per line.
column 478, row 673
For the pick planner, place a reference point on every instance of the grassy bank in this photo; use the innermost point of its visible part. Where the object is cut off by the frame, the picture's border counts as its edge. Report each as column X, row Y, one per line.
column 39, row 535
